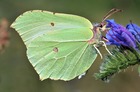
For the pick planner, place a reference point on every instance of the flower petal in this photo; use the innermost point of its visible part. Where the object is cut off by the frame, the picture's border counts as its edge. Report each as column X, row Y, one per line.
column 128, row 40
column 118, row 35
column 135, row 30
column 111, row 23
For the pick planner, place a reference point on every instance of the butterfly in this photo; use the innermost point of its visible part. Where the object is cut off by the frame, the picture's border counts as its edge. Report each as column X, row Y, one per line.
column 59, row 46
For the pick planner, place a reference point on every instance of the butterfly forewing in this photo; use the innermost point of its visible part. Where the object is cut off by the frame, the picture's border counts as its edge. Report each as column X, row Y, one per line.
column 57, row 44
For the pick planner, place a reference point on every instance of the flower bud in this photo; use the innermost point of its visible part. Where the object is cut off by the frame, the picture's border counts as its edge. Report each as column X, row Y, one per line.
column 119, row 35
column 135, row 30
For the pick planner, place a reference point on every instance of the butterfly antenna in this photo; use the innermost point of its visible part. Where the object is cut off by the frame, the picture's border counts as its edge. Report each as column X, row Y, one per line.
column 111, row 12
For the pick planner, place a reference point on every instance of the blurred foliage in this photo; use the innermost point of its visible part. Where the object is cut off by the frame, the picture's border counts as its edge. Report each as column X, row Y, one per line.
column 4, row 34
column 17, row 74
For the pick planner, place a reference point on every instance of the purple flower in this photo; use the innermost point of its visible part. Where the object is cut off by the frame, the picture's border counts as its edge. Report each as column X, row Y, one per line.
column 135, row 30
column 118, row 35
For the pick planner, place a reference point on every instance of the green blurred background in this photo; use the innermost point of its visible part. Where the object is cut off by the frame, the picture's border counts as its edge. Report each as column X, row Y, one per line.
column 17, row 74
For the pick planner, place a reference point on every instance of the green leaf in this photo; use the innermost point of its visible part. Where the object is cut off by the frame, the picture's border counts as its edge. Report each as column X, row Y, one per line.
column 57, row 44
column 121, row 59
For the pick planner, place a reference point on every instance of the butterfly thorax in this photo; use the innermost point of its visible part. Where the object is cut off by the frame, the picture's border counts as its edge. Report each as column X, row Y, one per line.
column 96, row 35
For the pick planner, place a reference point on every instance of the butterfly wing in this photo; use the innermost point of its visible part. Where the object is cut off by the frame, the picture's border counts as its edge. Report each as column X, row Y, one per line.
column 57, row 44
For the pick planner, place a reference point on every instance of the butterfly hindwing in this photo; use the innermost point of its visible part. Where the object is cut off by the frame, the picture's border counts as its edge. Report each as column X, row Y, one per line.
column 57, row 44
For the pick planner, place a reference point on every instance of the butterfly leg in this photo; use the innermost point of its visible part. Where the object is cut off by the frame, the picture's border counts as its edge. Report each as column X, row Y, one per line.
column 80, row 76
column 105, row 47
column 98, row 51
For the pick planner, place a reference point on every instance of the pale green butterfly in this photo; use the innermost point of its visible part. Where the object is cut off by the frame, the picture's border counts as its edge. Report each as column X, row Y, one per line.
column 59, row 46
